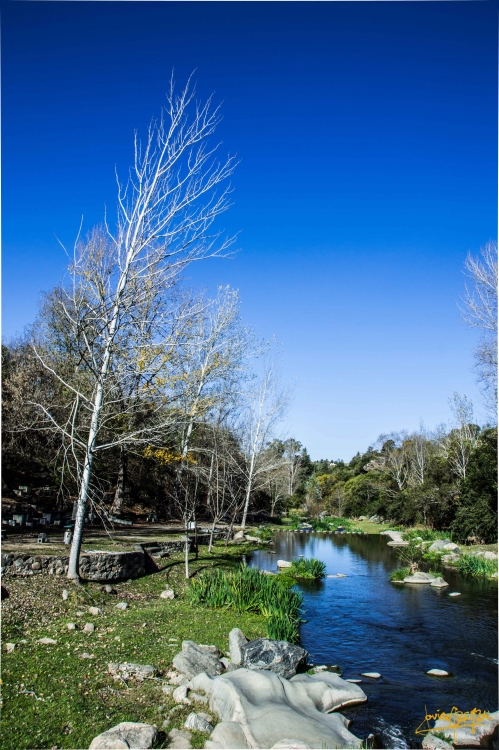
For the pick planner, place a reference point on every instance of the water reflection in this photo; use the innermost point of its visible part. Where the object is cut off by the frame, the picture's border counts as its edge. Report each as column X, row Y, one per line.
column 365, row 623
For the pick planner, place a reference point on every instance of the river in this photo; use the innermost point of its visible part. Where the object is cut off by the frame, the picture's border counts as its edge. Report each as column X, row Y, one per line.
column 364, row 623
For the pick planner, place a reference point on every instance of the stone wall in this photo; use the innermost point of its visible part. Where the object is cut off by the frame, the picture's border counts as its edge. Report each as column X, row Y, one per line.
column 94, row 566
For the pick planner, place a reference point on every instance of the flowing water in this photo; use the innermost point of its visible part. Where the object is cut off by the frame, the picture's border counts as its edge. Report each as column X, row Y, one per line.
column 364, row 623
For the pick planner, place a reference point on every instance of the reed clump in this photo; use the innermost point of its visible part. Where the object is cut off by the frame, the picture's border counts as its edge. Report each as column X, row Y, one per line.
column 249, row 590
column 306, row 568
column 476, row 567
column 400, row 574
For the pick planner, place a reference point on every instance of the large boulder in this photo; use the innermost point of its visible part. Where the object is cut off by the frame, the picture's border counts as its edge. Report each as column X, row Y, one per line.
column 280, row 657
column 420, row 578
column 194, row 659
column 237, row 640
column 269, row 709
column 490, row 556
column 439, row 583
column 126, row 735
column 439, row 545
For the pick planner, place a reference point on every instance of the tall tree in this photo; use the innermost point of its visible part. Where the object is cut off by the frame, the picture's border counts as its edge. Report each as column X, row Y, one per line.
column 165, row 213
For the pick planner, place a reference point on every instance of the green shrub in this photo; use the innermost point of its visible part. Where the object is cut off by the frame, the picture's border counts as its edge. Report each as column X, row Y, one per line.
column 264, row 532
column 400, row 574
column 306, row 568
column 476, row 567
column 250, row 590
column 427, row 535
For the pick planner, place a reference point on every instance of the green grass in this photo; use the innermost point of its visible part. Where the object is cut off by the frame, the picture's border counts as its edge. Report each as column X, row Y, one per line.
column 400, row 574
column 249, row 590
column 78, row 698
column 427, row 535
column 476, row 567
column 306, row 568
column 265, row 532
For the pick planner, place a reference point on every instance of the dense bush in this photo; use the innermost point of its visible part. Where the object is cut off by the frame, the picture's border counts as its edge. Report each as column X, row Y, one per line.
column 476, row 567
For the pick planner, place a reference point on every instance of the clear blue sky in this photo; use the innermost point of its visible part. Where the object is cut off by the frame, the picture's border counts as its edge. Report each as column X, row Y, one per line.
column 367, row 134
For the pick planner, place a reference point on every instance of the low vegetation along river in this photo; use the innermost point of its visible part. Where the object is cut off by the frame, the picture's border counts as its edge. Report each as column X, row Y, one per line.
column 364, row 623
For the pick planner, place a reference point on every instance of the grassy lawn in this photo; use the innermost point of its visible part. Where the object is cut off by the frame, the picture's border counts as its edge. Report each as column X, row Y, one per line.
column 70, row 699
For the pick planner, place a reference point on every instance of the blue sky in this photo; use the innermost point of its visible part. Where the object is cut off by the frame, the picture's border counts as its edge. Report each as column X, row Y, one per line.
column 367, row 134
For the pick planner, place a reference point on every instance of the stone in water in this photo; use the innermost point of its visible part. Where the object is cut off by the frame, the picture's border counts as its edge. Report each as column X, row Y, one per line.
column 373, row 675
column 438, row 672
column 455, row 593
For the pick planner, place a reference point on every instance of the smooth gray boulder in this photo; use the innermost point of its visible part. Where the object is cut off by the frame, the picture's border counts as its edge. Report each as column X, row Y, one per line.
column 227, row 734
column 439, row 583
column 490, row 556
column 451, row 547
column 237, row 640
column 439, row 545
column 280, row 657
column 269, row 708
column 470, row 729
column 420, row 578
column 194, row 659
column 126, row 735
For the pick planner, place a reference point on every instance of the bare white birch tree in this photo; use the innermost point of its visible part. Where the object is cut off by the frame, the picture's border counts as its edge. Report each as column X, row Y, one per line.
column 266, row 405
column 165, row 214
column 464, row 437
column 480, row 311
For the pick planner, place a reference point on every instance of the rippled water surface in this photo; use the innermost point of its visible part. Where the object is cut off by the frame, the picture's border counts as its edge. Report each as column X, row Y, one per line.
column 364, row 623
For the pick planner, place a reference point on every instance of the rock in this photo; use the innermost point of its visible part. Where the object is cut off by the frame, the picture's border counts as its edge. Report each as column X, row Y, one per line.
column 210, row 649
column 122, row 605
column 167, row 594
column 167, row 689
column 89, row 627
column 439, row 583
column 193, row 660
column 47, row 641
column 438, row 672
column 9, row 647
column 439, row 545
column 362, row 518
column 320, row 668
column 227, row 734
column 280, row 657
column 178, row 679
column 284, row 564
column 451, row 547
column 71, row 626
column 450, row 558
column 455, row 593
column 197, row 697
column 239, row 536
column 490, row 556
column 84, row 655
column 179, row 739
column 128, row 734
column 435, row 743
column 179, row 695
column 469, row 729
column 269, row 708
column 95, row 611
column 225, row 661
column 341, row 575
column 355, row 682
column 237, row 640
column 197, row 722
column 420, row 578
column 65, row 595
column 289, row 745
column 372, row 675
column 130, row 669
column 108, row 589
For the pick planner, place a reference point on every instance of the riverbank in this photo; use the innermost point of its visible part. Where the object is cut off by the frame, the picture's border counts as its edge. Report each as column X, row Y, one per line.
column 60, row 694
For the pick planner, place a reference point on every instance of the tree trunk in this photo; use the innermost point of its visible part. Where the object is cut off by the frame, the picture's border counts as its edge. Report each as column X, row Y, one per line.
column 248, row 490
column 119, row 495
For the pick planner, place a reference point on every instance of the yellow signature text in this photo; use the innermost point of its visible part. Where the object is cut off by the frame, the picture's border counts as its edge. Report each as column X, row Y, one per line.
column 453, row 720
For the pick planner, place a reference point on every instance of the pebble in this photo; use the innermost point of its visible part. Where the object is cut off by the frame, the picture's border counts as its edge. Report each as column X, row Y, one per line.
column 47, row 641
column 355, row 681
column 108, row 589
column 89, row 627
column 373, row 675
column 167, row 689
column 179, row 695
column 438, row 672
column 65, row 594
column 84, row 655
column 9, row 647
column 71, row 626
column 179, row 739
column 455, row 593
column 122, row 605
column 95, row 611
column 80, row 614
